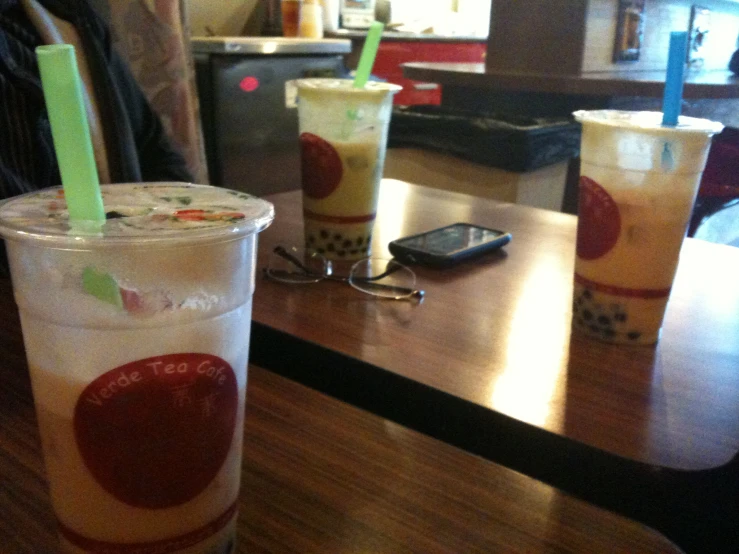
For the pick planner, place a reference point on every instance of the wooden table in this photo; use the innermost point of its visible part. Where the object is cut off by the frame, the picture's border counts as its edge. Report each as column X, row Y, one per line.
column 322, row 476
column 487, row 361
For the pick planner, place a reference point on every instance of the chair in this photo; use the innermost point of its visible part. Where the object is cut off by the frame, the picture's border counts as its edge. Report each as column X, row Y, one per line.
column 717, row 205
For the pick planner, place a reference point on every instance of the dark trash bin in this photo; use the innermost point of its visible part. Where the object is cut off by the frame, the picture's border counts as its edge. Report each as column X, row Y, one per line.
column 513, row 143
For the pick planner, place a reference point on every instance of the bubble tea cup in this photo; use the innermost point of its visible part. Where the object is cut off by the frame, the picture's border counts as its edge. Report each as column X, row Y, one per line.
column 343, row 140
column 137, row 340
column 638, row 183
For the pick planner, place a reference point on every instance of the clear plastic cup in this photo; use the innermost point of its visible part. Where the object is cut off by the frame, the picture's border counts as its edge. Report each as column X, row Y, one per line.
column 137, row 339
column 343, row 139
column 638, row 182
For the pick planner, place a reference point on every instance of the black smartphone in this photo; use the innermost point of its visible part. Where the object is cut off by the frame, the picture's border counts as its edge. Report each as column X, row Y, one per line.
column 448, row 245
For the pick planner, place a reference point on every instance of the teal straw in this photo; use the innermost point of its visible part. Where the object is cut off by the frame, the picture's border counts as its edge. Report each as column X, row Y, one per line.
column 369, row 52
column 71, row 132
column 673, row 95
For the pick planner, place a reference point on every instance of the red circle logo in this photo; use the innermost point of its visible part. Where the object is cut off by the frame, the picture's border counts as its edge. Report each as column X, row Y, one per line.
column 154, row 433
column 599, row 221
column 249, row 84
column 322, row 169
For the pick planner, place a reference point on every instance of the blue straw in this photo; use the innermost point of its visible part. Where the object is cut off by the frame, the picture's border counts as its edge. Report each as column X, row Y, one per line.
column 675, row 74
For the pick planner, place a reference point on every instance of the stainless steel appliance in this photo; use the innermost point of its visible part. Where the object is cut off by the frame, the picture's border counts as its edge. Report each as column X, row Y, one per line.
column 357, row 14
column 251, row 137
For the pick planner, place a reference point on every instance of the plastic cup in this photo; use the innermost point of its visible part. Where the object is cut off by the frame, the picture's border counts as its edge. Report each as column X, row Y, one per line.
column 638, row 182
column 140, row 394
column 343, row 139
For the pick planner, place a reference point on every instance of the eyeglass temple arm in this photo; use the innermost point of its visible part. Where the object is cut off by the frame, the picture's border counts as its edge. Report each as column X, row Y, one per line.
column 283, row 253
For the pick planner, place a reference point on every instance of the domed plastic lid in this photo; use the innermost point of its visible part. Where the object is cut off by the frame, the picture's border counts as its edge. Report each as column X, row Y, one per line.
column 647, row 122
column 345, row 86
column 137, row 213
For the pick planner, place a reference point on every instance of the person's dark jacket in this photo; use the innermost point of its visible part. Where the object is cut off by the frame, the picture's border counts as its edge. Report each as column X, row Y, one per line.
column 137, row 146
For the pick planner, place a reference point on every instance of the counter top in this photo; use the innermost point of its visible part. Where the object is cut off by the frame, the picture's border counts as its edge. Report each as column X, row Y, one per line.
column 269, row 45
column 705, row 84
column 396, row 36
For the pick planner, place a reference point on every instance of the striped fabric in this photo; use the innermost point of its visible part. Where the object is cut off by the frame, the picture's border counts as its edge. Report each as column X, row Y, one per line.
column 27, row 159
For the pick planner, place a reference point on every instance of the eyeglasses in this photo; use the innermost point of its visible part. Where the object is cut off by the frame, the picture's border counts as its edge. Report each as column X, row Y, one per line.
column 383, row 278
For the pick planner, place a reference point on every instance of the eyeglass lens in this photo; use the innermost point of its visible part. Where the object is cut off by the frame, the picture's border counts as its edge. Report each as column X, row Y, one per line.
column 386, row 278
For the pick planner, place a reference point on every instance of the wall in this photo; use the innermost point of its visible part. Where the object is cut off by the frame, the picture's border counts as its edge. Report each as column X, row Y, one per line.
column 466, row 17
column 228, row 17
column 662, row 16
column 573, row 36
column 222, row 17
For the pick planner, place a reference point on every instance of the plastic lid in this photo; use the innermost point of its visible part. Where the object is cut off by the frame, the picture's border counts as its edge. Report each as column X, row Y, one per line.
column 647, row 121
column 346, row 86
column 138, row 213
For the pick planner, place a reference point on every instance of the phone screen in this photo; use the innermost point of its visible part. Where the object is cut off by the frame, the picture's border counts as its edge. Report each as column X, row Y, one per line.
column 452, row 239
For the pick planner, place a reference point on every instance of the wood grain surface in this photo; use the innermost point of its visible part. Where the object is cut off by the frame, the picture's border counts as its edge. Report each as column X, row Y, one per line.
column 322, row 476
column 496, row 332
column 487, row 363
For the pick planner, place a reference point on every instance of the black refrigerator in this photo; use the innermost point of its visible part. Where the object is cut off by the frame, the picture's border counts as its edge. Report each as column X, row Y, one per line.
column 250, row 132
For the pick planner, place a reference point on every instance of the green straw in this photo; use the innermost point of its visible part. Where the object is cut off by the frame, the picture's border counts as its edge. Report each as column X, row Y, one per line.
column 71, row 132
column 369, row 51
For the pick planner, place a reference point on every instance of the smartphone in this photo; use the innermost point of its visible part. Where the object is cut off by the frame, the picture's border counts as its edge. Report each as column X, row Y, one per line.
column 448, row 245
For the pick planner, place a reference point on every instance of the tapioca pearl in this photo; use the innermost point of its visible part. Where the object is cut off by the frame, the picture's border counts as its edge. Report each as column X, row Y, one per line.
column 620, row 317
column 609, row 333
column 359, row 241
column 341, row 253
column 633, row 335
column 594, row 329
column 347, row 243
column 353, row 251
column 324, row 234
column 337, row 237
column 330, row 247
column 321, row 250
column 587, row 295
column 604, row 320
column 310, row 240
column 580, row 321
column 587, row 315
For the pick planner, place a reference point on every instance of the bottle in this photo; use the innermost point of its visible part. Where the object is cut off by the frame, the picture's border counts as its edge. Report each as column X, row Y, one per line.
column 331, row 10
column 311, row 20
column 291, row 12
